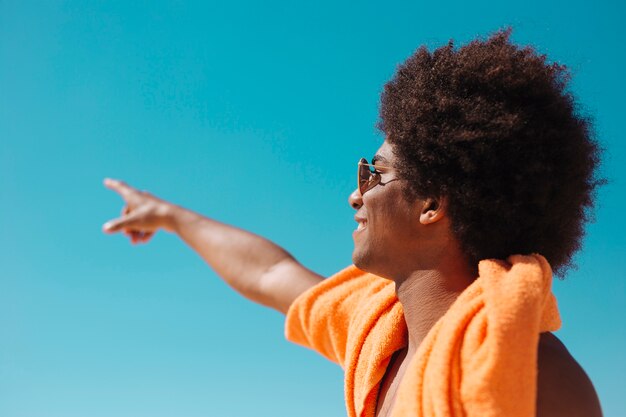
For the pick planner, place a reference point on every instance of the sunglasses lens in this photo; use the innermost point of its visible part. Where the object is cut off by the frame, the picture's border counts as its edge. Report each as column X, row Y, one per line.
column 367, row 179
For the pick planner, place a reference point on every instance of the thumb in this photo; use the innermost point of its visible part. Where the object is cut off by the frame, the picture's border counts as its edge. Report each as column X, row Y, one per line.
column 118, row 224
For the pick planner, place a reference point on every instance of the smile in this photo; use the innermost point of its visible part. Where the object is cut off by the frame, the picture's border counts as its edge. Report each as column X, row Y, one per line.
column 362, row 223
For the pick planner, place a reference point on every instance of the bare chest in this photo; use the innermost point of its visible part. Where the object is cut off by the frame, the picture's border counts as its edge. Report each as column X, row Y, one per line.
column 389, row 384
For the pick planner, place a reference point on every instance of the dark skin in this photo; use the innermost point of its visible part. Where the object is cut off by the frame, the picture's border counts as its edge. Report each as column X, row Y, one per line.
column 563, row 387
column 411, row 244
column 408, row 242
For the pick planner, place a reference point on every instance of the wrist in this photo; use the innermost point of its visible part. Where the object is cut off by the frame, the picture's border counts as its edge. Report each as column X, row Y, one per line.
column 176, row 217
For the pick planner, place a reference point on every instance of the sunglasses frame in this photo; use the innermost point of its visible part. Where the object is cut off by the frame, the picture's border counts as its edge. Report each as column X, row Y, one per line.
column 373, row 179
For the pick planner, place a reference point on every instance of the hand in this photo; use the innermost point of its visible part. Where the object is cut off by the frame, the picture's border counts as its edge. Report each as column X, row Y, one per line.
column 142, row 216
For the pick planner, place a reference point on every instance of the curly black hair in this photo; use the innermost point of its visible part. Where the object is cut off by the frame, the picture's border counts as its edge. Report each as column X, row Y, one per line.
column 493, row 128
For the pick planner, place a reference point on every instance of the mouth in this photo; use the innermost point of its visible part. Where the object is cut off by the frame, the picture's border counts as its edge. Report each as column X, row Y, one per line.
column 362, row 223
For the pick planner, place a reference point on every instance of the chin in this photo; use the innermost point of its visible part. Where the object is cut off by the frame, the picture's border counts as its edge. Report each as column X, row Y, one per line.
column 362, row 261
column 365, row 262
column 357, row 260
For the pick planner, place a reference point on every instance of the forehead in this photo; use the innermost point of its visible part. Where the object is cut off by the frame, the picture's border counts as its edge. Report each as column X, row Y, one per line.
column 386, row 151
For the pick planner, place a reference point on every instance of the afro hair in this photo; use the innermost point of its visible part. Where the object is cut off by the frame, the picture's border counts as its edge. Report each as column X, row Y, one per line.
column 492, row 127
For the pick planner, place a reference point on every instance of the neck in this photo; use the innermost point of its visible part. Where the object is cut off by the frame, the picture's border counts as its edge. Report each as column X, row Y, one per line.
column 426, row 295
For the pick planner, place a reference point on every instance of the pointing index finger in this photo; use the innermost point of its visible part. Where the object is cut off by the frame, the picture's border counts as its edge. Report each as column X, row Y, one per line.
column 118, row 186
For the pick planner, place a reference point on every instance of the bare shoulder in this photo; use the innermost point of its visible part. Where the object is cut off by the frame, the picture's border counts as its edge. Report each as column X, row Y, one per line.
column 563, row 388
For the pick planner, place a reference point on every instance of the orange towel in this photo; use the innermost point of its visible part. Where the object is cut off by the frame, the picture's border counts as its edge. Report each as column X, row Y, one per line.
column 480, row 358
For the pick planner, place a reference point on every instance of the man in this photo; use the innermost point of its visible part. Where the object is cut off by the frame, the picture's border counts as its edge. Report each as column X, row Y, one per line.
column 485, row 157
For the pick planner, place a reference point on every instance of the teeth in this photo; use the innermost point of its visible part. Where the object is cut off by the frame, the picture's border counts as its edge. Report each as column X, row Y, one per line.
column 361, row 226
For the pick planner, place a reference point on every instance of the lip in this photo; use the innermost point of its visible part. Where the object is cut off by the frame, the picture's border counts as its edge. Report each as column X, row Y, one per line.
column 362, row 224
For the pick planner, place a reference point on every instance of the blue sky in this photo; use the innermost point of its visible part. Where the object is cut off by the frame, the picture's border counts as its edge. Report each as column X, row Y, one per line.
column 253, row 113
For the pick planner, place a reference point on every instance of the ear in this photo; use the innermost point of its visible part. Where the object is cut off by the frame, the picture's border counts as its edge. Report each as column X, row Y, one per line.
column 432, row 210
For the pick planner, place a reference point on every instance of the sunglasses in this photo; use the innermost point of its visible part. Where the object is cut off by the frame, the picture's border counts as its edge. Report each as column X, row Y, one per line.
column 368, row 175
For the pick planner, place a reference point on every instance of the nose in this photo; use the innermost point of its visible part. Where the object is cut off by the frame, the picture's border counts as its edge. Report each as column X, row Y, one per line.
column 355, row 199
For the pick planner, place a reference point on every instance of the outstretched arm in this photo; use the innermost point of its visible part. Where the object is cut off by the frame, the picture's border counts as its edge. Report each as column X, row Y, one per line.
column 252, row 265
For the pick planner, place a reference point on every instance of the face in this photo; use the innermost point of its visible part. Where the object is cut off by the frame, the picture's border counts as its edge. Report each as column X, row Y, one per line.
column 388, row 232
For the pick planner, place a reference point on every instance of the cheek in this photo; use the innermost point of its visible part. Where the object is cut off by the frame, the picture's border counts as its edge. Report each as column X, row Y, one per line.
column 397, row 225
column 390, row 215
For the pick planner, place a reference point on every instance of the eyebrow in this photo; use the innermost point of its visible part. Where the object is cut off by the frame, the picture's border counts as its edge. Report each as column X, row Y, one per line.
column 379, row 158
